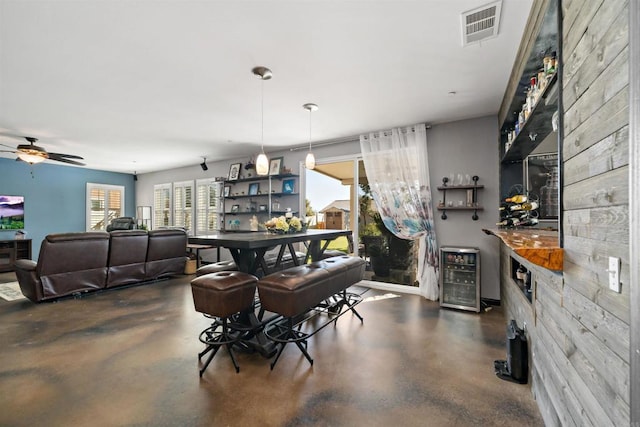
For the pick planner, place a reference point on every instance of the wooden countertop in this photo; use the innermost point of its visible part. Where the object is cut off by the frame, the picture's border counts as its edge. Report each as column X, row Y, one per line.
column 535, row 245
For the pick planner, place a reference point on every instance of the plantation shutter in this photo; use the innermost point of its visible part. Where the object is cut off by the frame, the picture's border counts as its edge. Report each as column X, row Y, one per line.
column 208, row 206
column 161, row 205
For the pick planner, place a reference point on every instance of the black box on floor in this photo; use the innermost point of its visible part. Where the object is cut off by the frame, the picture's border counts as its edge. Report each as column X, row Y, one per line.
column 516, row 367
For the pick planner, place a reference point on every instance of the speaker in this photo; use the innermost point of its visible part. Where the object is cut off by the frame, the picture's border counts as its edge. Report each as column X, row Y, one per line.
column 204, row 166
column 516, row 367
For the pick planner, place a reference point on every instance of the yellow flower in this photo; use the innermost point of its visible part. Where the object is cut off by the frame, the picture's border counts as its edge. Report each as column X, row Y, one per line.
column 295, row 223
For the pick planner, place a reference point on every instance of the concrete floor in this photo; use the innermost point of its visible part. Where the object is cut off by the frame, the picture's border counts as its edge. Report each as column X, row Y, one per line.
column 129, row 357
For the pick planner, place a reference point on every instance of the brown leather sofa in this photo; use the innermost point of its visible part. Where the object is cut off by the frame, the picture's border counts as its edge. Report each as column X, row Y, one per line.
column 71, row 263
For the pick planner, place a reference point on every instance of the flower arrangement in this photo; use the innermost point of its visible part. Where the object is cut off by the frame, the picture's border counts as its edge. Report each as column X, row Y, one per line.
column 284, row 224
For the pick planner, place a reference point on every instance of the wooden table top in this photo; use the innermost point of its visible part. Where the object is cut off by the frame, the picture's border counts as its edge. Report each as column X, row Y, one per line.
column 260, row 239
column 536, row 245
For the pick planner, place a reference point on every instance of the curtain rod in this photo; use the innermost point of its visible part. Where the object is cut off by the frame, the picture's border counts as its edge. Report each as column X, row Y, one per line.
column 343, row 140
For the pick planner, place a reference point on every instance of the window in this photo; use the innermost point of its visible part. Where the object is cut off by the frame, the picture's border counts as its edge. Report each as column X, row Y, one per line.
column 208, row 205
column 104, row 203
column 183, row 205
column 161, row 205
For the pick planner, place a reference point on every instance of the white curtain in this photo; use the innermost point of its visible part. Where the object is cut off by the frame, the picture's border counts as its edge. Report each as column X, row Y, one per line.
column 397, row 168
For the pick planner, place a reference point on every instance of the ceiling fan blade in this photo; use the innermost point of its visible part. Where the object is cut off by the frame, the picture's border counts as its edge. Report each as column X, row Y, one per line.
column 69, row 156
column 8, row 146
column 58, row 158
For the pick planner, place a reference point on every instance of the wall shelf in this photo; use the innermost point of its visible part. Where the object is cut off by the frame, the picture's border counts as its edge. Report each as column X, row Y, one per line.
column 471, row 203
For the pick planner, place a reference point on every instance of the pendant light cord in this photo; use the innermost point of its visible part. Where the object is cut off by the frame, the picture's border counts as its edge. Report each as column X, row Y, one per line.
column 309, row 130
column 262, row 114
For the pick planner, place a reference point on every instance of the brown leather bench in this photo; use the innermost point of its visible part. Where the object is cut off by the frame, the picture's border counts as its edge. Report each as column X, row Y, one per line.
column 297, row 290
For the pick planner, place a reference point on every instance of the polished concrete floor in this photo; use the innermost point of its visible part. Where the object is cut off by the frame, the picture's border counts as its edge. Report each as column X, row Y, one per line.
column 128, row 357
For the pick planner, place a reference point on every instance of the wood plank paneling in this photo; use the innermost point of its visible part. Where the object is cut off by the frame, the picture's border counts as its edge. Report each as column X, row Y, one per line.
column 612, row 80
column 607, row 224
column 608, row 189
column 609, row 118
column 592, row 287
column 580, row 340
column 604, row 39
column 634, row 228
column 607, row 155
column 612, row 332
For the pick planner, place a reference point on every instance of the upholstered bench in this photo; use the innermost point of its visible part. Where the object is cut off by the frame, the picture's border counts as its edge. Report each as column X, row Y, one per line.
column 222, row 295
column 297, row 290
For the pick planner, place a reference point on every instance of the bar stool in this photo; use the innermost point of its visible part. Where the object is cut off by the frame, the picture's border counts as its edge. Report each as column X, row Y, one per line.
column 221, row 295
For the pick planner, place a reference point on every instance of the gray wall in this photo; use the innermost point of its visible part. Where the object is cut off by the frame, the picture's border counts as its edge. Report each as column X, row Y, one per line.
column 467, row 146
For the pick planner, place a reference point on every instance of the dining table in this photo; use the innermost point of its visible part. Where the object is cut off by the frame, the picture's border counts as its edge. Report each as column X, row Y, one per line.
column 248, row 248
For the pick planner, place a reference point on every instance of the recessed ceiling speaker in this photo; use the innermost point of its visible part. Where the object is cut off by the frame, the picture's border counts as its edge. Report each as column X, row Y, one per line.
column 203, row 165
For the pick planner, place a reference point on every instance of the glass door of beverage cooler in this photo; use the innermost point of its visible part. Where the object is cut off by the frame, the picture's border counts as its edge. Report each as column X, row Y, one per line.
column 460, row 278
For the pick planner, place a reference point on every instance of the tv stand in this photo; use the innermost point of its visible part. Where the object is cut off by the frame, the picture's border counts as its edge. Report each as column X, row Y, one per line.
column 11, row 250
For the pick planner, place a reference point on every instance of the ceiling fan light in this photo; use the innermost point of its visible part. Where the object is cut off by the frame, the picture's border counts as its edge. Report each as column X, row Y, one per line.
column 262, row 164
column 310, row 161
column 30, row 158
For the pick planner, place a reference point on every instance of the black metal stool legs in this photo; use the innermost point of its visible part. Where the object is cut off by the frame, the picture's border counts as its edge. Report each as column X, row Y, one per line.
column 291, row 335
column 214, row 339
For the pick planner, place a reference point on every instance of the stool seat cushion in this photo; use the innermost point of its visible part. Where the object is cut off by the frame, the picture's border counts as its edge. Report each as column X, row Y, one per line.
column 223, row 293
column 332, row 253
column 228, row 265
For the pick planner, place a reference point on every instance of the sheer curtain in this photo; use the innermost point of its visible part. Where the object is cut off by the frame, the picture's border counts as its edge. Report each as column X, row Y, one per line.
column 397, row 168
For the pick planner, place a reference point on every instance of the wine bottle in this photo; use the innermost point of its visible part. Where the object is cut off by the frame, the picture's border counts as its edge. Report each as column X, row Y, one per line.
column 528, row 222
column 518, row 198
column 517, row 222
column 526, row 206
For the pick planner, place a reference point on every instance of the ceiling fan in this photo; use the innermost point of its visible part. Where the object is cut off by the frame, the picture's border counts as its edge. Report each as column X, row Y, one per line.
column 33, row 154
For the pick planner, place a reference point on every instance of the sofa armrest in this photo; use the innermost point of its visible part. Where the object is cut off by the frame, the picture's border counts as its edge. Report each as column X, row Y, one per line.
column 30, row 285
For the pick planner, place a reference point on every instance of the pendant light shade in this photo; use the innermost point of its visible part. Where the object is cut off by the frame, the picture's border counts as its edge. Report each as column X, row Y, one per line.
column 310, row 160
column 262, row 162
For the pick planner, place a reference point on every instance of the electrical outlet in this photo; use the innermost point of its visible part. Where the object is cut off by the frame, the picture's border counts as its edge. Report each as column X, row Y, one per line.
column 614, row 274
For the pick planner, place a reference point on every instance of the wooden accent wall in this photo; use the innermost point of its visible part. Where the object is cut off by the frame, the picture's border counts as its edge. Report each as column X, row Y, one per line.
column 596, row 206
column 579, row 329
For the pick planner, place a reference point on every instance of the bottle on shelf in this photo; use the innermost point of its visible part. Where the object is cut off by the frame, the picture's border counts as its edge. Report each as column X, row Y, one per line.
column 518, row 222
column 518, row 198
column 526, row 206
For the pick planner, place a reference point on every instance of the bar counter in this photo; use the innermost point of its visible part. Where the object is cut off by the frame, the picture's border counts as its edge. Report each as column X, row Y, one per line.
column 536, row 245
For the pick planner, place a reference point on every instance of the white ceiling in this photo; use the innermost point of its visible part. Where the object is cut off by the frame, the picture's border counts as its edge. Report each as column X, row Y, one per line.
column 151, row 85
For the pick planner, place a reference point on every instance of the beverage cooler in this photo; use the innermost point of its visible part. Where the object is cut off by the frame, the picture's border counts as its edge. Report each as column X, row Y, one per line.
column 460, row 278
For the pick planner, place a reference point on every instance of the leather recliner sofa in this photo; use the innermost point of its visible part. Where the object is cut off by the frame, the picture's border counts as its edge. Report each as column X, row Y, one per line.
column 71, row 263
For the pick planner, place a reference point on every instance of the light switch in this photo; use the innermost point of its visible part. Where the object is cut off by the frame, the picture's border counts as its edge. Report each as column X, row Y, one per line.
column 614, row 274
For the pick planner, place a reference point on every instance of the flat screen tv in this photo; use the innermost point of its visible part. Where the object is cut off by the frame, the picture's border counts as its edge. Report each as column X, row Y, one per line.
column 11, row 212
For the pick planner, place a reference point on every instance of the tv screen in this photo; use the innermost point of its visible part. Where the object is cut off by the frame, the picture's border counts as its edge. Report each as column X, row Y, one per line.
column 11, row 212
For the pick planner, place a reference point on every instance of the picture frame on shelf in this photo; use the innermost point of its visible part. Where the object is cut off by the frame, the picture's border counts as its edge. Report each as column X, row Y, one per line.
column 235, row 208
column 275, row 165
column 227, row 191
column 262, row 208
column 234, row 171
column 288, row 186
column 254, row 188
column 541, row 181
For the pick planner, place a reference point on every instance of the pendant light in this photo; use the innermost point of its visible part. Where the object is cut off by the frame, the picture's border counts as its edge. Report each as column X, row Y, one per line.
column 262, row 162
column 310, row 160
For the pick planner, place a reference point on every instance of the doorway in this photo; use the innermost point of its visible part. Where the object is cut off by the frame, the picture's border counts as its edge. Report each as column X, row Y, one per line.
column 337, row 192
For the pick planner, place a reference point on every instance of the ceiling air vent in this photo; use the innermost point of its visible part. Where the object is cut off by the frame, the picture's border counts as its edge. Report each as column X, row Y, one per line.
column 481, row 23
